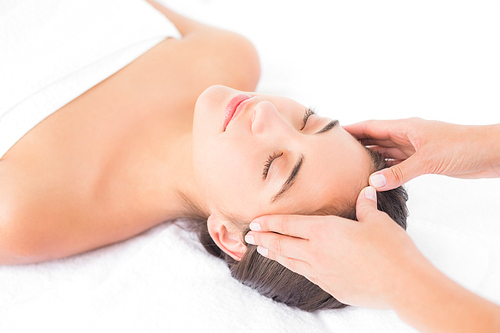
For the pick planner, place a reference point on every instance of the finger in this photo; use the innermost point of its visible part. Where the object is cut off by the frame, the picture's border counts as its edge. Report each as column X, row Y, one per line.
column 366, row 203
column 287, row 246
column 381, row 143
column 393, row 162
column 295, row 265
column 398, row 174
column 292, row 225
column 392, row 153
column 371, row 129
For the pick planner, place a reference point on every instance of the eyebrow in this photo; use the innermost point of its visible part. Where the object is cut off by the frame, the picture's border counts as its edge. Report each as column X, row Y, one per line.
column 328, row 127
column 293, row 175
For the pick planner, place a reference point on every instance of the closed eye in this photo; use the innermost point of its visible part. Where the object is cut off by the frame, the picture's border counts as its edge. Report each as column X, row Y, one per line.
column 309, row 112
column 269, row 161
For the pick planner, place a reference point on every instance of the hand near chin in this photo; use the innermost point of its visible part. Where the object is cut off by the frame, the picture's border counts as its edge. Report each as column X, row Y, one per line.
column 362, row 263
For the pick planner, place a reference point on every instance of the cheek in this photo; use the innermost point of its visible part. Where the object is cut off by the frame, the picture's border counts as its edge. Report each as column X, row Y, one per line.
column 205, row 119
column 225, row 173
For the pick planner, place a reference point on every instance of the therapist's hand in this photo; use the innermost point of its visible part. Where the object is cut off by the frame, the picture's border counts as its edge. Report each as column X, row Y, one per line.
column 419, row 147
column 365, row 263
column 373, row 263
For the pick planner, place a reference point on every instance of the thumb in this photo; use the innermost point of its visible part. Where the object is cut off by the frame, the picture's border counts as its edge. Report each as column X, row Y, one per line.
column 397, row 175
column 367, row 202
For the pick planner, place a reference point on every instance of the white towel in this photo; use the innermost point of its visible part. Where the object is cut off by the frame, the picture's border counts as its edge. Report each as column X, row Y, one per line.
column 52, row 51
column 164, row 280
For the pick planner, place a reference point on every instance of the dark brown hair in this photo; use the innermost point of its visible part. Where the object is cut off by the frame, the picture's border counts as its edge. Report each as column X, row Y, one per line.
column 273, row 280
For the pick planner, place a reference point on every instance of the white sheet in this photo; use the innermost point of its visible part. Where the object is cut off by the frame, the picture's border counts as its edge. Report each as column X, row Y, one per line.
column 352, row 60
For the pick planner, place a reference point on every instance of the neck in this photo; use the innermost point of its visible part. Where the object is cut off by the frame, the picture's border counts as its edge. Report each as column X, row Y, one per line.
column 181, row 181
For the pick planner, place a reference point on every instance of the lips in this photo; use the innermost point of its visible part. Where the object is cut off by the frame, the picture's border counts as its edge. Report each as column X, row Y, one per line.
column 232, row 108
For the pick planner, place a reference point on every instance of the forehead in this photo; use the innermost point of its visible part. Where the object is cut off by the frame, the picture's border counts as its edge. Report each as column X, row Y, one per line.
column 332, row 176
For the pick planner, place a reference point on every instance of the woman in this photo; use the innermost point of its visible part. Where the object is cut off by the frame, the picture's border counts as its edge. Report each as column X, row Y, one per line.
column 130, row 153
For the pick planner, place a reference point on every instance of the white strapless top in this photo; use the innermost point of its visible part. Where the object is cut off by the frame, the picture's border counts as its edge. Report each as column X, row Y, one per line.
column 52, row 51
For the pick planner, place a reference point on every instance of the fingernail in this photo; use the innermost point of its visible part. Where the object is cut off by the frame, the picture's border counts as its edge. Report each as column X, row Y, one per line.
column 378, row 180
column 254, row 226
column 249, row 239
column 371, row 193
column 262, row 250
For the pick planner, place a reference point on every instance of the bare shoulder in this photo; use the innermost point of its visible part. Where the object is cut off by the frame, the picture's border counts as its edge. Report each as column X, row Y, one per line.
column 230, row 59
column 214, row 54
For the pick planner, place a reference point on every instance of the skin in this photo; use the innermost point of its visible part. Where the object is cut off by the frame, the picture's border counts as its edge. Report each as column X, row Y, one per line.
column 401, row 280
column 113, row 162
column 229, row 164
column 109, row 165
column 420, row 147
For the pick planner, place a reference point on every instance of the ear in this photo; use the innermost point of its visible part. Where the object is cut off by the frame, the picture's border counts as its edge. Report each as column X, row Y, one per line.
column 227, row 241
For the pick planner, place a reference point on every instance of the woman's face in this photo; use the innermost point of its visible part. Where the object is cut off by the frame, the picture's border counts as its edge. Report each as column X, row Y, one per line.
column 272, row 156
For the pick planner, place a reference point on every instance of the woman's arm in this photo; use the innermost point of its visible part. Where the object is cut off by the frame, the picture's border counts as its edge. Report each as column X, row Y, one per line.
column 219, row 54
column 185, row 25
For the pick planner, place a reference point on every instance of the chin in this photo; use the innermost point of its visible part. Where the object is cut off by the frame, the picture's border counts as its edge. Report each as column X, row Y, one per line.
column 214, row 97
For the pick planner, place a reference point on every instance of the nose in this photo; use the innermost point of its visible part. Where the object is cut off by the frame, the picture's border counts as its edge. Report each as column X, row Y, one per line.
column 267, row 119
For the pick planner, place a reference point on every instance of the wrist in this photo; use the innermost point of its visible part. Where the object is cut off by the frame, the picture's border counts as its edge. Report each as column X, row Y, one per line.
column 495, row 139
column 490, row 148
column 410, row 284
column 433, row 302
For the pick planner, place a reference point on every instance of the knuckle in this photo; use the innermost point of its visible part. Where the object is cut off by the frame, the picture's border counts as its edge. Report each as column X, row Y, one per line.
column 373, row 214
column 312, row 279
column 369, row 125
column 277, row 246
column 415, row 119
column 283, row 225
column 370, row 215
column 397, row 173
column 291, row 264
column 264, row 223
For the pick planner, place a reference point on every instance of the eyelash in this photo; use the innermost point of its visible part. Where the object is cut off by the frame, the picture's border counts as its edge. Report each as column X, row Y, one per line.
column 309, row 112
column 270, row 160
